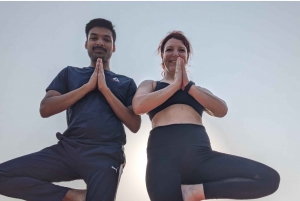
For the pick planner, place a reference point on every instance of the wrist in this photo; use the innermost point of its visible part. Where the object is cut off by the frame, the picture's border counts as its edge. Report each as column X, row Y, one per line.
column 188, row 86
column 175, row 85
column 104, row 90
column 87, row 88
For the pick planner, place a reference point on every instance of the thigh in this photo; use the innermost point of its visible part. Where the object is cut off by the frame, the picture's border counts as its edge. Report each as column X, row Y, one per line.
column 229, row 176
column 102, row 183
column 100, row 167
column 49, row 164
column 222, row 166
column 163, row 179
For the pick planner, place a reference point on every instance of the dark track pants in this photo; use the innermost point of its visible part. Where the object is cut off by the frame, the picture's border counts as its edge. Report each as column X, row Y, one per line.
column 181, row 154
column 29, row 177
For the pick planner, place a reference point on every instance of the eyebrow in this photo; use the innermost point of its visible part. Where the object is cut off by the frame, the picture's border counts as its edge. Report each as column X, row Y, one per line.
column 94, row 34
column 173, row 46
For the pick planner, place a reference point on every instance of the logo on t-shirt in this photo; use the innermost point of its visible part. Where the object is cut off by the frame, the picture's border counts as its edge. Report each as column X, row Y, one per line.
column 115, row 79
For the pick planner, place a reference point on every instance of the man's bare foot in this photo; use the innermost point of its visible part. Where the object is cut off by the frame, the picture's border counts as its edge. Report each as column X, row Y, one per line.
column 75, row 195
column 192, row 192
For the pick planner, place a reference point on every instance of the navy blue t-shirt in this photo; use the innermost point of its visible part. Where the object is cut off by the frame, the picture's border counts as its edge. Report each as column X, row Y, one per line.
column 91, row 119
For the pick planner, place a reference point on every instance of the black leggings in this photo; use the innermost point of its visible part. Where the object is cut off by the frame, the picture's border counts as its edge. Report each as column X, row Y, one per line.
column 181, row 154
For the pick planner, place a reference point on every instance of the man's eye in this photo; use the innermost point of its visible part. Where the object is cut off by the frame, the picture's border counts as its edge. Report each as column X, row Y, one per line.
column 169, row 50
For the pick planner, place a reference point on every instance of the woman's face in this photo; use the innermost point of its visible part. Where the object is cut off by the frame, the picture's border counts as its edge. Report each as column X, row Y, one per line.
column 173, row 48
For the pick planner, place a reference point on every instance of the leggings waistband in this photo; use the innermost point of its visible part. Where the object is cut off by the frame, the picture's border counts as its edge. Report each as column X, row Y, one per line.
column 178, row 134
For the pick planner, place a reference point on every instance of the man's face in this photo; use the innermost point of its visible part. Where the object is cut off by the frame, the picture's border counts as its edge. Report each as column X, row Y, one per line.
column 100, row 44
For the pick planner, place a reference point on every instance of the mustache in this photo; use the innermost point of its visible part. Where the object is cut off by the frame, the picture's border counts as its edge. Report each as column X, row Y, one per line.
column 99, row 48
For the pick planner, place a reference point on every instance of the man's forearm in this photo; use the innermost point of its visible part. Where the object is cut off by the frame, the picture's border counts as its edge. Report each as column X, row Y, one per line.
column 126, row 115
column 56, row 104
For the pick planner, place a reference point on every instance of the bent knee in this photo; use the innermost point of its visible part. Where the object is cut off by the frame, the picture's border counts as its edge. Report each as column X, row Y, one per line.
column 273, row 181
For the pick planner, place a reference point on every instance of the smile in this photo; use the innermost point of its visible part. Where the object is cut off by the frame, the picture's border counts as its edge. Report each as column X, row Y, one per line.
column 99, row 49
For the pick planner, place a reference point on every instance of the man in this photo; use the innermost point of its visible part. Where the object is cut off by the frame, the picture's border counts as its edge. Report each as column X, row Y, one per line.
column 98, row 103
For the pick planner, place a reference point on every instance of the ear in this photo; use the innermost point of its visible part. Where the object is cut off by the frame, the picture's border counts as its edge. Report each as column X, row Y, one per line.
column 85, row 45
column 114, row 48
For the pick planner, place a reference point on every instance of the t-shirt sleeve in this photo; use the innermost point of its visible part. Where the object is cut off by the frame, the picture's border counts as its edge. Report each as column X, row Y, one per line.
column 60, row 82
column 130, row 93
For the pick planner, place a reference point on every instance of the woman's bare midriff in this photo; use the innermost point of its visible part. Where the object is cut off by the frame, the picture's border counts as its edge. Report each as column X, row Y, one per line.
column 176, row 114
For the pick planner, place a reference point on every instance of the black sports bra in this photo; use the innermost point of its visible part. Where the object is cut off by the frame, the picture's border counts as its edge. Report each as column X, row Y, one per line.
column 180, row 97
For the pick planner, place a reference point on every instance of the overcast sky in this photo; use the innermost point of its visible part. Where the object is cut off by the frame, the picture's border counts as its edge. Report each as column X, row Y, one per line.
column 247, row 53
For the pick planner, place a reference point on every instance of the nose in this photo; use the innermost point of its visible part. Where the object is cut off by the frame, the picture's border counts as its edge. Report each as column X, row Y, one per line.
column 175, row 53
column 99, row 42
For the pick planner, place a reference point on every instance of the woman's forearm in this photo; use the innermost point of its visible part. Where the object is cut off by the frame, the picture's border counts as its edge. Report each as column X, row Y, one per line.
column 216, row 106
column 144, row 103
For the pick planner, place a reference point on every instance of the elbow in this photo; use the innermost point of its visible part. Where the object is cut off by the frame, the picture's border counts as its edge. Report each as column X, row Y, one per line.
column 136, row 128
column 43, row 112
column 137, row 106
column 136, row 109
column 223, row 112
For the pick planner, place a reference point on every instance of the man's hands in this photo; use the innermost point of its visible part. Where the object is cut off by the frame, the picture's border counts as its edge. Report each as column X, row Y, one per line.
column 181, row 78
column 98, row 78
column 101, row 77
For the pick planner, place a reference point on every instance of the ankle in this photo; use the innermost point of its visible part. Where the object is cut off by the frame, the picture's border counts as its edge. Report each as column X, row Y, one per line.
column 193, row 192
column 75, row 195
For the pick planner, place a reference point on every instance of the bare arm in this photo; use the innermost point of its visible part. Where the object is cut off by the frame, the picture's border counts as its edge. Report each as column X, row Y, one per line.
column 125, row 114
column 54, row 102
column 146, row 100
column 213, row 105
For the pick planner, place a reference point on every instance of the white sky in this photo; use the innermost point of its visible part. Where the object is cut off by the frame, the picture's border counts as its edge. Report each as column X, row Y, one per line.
column 247, row 53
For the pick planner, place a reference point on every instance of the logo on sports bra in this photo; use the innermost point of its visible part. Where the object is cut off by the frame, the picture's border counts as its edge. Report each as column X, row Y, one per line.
column 115, row 79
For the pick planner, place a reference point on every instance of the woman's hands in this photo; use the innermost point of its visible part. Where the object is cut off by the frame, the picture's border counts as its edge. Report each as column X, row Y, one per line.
column 180, row 79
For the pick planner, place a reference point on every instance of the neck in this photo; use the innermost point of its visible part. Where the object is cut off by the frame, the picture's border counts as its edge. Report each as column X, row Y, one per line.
column 169, row 76
column 105, row 64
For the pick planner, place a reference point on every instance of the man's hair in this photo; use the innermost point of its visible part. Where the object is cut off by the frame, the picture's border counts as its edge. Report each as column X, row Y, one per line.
column 100, row 22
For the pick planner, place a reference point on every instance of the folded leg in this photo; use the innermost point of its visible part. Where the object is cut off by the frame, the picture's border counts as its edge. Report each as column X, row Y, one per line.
column 29, row 177
column 233, row 177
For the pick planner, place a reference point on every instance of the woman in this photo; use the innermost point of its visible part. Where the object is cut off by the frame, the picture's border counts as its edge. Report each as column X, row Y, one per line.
column 181, row 164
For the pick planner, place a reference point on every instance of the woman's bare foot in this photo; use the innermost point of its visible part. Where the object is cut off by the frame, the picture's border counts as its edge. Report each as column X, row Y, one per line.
column 75, row 195
column 192, row 192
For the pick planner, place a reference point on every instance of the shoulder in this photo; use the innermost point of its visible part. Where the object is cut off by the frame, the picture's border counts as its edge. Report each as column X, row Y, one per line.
column 73, row 71
column 74, row 68
column 148, row 85
column 70, row 68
